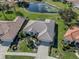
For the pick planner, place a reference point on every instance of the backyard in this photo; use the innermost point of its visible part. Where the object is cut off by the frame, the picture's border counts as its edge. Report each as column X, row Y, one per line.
column 36, row 16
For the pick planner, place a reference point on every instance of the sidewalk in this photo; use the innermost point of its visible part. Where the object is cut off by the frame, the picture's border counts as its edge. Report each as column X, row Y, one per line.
column 20, row 54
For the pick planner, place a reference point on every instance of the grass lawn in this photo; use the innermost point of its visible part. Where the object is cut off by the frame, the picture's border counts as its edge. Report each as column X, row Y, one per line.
column 58, row 4
column 22, row 47
column 7, row 16
column 69, row 55
column 19, row 57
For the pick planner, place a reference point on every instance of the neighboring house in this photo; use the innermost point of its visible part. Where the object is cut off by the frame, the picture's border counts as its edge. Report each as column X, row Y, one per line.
column 72, row 35
column 9, row 29
column 75, row 2
column 45, row 29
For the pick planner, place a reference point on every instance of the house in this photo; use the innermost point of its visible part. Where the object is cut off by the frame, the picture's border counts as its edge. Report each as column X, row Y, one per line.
column 45, row 29
column 73, row 1
column 9, row 29
column 72, row 35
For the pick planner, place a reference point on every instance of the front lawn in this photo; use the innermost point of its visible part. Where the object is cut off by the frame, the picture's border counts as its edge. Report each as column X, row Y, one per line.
column 18, row 57
column 69, row 55
column 22, row 47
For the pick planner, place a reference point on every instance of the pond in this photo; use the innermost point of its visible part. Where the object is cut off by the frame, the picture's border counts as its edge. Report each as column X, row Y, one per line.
column 42, row 7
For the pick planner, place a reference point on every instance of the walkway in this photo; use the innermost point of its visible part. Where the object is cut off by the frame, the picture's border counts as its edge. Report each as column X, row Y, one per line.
column 21, row 54
column 51, row 57
column 3, row 49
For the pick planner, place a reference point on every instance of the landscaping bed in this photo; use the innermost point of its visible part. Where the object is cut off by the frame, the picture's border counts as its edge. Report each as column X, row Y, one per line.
column 22, row 47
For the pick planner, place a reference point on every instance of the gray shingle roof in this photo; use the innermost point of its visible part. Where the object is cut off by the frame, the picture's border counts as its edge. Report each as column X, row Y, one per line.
column 11, row 28
column 44, row 28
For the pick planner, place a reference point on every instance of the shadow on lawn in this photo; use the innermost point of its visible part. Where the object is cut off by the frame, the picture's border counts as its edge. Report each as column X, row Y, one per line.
column 55, row 40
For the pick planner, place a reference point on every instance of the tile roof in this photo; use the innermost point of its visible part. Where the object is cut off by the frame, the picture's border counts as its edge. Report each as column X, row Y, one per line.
column 72, row 34
column 9, row 29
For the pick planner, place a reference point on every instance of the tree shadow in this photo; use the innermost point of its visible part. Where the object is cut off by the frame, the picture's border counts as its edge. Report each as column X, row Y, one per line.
column 19, row 14
column 23, row 4
column 0, row 15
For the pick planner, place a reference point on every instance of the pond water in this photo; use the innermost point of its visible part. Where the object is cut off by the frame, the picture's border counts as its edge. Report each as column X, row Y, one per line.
column 42, row 7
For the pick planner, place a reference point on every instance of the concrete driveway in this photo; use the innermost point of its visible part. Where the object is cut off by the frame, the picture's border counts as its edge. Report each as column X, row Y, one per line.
column 42, row 52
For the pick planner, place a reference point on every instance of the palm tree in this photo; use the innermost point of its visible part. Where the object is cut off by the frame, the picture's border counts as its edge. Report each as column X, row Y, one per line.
column 68, row 15
column 31, row 40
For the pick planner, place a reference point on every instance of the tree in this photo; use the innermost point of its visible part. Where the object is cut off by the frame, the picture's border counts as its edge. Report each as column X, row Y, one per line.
column 30, row 43
column 68, row 15
column 21, row 35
